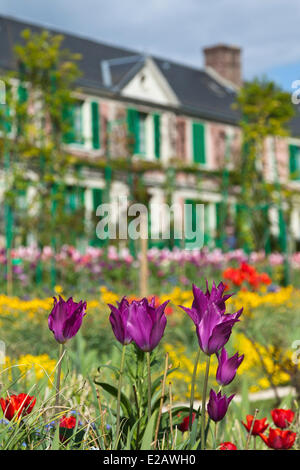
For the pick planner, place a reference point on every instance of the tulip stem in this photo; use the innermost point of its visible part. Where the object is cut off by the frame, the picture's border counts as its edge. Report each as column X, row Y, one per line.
column 58, row 376
column 119, row 391
column 204, row 403
column 193, row 389
column 149, row 384
column 215, row 435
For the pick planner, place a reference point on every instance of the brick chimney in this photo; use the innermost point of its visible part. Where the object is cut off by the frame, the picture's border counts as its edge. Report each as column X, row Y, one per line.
column 226, row 61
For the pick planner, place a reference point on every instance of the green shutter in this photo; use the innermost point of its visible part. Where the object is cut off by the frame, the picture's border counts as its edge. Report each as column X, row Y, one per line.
column 22, row 98
column 95, row 125
column 191, row 219
column 5, row 119
column 72, row 115
column 199, row 142
column 54, row 190
column 68, row 117
column 218, row 224
column 74, row 198
column 207, row 232
column 294, row 152
column 156, row 122
column 97, row 198
column 133, row 123
column 22, row 94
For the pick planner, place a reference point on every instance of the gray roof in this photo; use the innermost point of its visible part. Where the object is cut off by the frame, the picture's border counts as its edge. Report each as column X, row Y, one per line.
column 108, row 68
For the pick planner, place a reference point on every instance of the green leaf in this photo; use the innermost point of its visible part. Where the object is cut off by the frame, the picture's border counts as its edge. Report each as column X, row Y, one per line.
column 130, row 435
column 148, row 434
column 157, row 382
column 125, row 403
column 56, row 442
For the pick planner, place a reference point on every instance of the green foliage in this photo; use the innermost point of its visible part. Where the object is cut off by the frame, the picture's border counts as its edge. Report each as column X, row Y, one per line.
column 34, row 124
column 265, row 110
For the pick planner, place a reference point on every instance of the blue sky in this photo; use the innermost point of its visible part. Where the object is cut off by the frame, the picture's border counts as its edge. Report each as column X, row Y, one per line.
column 267, row 30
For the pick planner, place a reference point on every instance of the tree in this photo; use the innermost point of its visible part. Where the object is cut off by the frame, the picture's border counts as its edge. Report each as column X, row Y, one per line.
column 34, row 124
column 265, row 110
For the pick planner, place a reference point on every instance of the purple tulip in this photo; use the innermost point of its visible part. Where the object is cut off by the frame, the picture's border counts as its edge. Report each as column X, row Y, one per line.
column 119, row 321
column 213, row 326
column 227, row 367
column 65, row 318
column 146, row 323
column 218, row 405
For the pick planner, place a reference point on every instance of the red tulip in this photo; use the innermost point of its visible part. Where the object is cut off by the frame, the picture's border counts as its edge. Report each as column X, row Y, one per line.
column 282, row 418
column 227, row 446
column 68, row 423
column 19, row 405
column 279, row 439
column 66, row 426
column 184, row 425
column 259, row 426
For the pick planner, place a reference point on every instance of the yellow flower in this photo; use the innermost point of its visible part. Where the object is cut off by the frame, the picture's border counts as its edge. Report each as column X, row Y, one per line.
column 35, row 367
column 58, row 289
column 40, row 365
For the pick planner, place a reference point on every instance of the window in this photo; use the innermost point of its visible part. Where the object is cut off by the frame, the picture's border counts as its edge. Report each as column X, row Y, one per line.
column 294, row 151
column 141, row 128
column 199, row 143
column 191, row 221
column 74, row 198
column 73, row 116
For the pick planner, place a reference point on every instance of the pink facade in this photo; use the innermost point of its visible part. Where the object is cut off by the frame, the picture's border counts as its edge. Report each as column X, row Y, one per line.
column 221, row 142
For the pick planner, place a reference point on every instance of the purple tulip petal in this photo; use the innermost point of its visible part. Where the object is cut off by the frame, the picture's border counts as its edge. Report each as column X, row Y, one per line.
column 65, row 318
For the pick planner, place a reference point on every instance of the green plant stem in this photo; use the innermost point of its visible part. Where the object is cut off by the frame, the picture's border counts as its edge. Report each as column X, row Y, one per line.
column 119, row 391
column 216, row 435
column 204, row 403
column 149, row 384
column 193, row 389
column 58, row 376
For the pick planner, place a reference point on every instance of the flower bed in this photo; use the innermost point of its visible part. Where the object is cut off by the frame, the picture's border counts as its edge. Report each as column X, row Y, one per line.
column 259, row 353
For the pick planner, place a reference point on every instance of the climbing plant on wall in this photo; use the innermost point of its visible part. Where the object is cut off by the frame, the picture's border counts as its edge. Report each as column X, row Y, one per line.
column 265, row 111
column 36, row 120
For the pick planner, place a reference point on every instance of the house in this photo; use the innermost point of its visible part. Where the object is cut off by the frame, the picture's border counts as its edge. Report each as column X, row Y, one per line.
column 180, row 116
